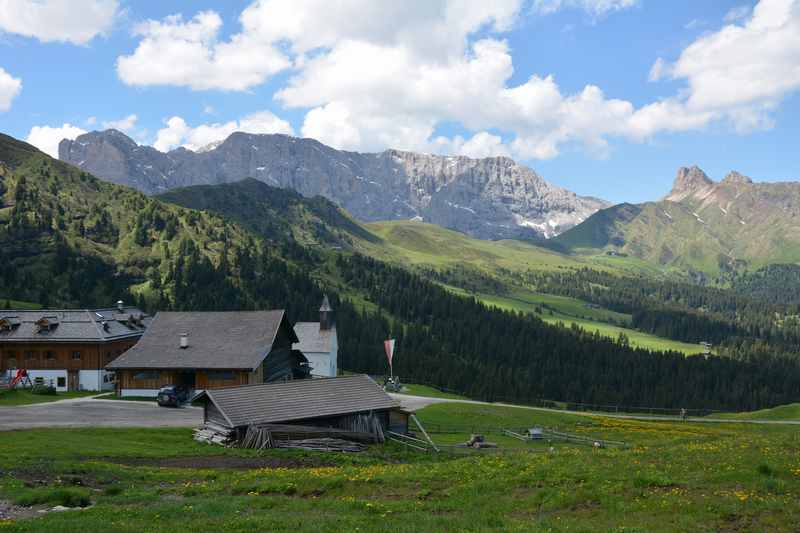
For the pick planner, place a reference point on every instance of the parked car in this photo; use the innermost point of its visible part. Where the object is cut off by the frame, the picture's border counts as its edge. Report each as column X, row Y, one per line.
column 172, row 395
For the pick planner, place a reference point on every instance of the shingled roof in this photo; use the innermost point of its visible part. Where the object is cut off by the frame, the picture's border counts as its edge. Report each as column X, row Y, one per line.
column 71, row 325
column 303, row 399
column 217, row 340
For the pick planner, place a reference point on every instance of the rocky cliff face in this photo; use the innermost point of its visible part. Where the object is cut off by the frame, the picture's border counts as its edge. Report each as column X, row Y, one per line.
column 490, row 198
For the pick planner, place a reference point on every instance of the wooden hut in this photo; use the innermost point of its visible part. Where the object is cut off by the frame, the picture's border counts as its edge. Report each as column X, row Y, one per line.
column 350, row 407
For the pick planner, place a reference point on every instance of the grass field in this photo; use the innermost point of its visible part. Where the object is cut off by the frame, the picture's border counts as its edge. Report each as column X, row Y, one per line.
column 13, row 397
column 671, row 477
column 419, row 244
column 430, row 392
column 572, row 311
column 783, row 412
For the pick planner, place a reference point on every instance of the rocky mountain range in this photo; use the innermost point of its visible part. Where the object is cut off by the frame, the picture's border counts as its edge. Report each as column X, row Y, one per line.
column 489, row 198
column 701, row 224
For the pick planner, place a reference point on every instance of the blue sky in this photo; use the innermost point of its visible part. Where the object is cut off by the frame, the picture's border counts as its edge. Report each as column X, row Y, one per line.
column 570, row 87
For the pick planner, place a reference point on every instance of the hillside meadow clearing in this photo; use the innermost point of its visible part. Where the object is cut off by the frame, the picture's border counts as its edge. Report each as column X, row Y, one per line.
column 669, row 477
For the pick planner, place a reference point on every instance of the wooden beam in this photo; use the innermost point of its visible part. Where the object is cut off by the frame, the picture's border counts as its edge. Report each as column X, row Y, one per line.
column 419, row 425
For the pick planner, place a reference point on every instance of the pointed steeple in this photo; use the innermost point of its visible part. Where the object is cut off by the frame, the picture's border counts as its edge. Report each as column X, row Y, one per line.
column 325, row 315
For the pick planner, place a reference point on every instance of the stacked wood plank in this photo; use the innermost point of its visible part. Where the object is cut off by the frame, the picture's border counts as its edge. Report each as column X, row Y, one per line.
column 211, row 433
column 312, row 438
column 305, row 437
column 325, row 444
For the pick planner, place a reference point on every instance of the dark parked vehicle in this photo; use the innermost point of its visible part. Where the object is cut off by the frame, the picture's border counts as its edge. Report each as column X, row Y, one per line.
column 173, row 395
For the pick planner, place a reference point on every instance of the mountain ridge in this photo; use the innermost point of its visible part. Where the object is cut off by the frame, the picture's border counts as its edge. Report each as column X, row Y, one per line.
column 490, row 198
column 714, row 227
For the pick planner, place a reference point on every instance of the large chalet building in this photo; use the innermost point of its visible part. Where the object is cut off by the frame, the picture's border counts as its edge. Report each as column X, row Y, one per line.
column 68, row 348
column 210, row 350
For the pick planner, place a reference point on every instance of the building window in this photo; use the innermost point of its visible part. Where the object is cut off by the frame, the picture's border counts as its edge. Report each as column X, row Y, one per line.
column 61, row 382
column 76, row 356
column 146, row 375
column 220, row 375
column 50, row 355
column 30, row 356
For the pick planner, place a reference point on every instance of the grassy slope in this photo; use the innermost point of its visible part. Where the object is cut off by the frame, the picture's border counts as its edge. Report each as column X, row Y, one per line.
column 673, row 477
column 419, row 245
column 430, row 392
column 570, row 311
column 782, row 412
column 97, row 221
column 739, row 227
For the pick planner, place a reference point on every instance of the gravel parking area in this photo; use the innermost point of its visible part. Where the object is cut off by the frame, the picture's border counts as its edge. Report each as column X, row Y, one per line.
column 97, row 413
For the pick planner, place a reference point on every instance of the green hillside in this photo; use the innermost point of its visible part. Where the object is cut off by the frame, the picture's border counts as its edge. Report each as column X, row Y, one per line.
column 274, row 213
column 95, row 242
column 717, row 229
column 489, row 270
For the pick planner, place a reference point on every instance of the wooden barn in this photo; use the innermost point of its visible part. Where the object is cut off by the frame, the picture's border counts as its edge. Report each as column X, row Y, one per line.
column 68, row 348
column 352, row 407
column 210, row 350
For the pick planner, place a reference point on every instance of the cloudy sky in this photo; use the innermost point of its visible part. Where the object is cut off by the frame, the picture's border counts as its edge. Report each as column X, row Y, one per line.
column 605, row 97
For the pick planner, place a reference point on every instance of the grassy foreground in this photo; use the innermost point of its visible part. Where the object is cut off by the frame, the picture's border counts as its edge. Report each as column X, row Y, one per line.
column 671, row 477
column 15, row 397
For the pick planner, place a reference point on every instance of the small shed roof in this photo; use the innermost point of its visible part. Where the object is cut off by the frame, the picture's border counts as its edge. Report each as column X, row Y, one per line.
column 299, row 400
column 312, row 338
column 217, row 340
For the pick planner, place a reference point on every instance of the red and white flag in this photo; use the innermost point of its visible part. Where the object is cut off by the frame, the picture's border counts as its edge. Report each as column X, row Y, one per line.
column 389, row 347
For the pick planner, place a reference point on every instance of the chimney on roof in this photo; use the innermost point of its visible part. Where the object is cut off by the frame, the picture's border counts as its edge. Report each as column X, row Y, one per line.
column 325, row 315
column 120, row 306
column 184, row 341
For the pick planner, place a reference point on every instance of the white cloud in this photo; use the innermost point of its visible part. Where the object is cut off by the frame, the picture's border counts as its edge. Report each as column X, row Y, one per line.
column 123, row 124
column 694, row 23
column 178, row 133
column 742, row 72
column 189, row 53
column 73, row 21
column 595, row 8
column 46, row 138
column 737, row 13
column 482, row 144
column 372, row 75
column 658, row 70
column 10, row 87
column 91, row 121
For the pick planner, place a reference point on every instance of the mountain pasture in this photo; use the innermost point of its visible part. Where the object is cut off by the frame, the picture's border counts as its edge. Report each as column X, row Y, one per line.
column 671, row 477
